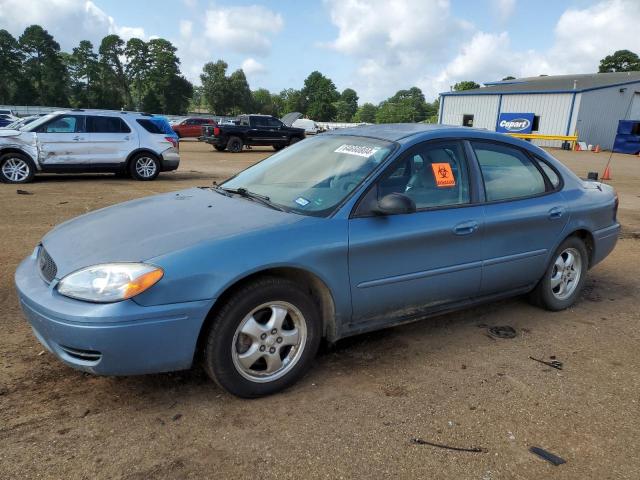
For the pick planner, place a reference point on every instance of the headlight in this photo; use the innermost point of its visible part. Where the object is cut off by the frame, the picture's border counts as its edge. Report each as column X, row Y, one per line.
column 110, row 282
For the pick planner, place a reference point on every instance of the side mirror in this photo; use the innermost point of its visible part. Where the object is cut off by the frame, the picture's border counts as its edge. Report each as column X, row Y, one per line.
column 393, row 204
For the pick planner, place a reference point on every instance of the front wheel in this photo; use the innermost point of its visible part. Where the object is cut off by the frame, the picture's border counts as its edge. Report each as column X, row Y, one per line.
column 144, row 167
column 277, row 147
column 564, row 278
column 16, row 168
column 294, row 140
column 263, row 339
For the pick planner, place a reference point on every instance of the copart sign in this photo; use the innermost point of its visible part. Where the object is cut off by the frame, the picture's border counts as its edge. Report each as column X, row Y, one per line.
column 515, row 122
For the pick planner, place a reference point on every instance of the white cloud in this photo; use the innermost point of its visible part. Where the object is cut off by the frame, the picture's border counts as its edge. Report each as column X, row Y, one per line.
column 69, row 21
column 242, row 29
column 434, row 50
column 252, row 67
column 503, row 9
column 186, row 28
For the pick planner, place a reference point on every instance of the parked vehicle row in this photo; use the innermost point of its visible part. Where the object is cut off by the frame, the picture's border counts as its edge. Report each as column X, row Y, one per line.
column 80, row 141
column 349, row 231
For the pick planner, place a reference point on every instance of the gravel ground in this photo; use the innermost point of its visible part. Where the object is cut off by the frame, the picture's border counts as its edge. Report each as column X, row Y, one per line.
column 355, row 414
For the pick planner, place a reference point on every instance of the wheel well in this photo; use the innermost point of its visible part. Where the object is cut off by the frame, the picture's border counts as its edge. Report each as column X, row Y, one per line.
column 15, row 150
column 316, row 288
column 136, row 152
column 587, row 238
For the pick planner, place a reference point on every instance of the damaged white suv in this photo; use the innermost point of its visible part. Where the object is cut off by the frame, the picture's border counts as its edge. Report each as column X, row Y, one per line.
column 82, row 141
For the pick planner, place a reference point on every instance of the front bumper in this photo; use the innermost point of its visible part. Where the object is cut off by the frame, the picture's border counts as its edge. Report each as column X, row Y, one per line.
column 170, row 159
column 122, row 338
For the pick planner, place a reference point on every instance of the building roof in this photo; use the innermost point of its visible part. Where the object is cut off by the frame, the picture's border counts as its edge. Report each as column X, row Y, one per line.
column 554, row 84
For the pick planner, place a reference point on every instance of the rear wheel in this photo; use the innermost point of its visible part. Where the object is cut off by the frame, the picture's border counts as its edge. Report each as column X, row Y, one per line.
column 278, row 147
column 294, row 140
column 16, row 168
column 564, row 278
column 263, row 339
column 234, row 145
column 144, row 167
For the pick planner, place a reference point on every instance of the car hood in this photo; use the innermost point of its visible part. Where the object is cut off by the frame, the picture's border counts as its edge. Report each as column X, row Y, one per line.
column 9, row 132
column 142, row 229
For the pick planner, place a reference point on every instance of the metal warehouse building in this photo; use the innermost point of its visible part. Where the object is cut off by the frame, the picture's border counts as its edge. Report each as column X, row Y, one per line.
column 590, row 105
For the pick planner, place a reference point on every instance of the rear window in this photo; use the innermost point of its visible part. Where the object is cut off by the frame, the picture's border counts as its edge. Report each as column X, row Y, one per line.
column 158, row 127
column 106, row 125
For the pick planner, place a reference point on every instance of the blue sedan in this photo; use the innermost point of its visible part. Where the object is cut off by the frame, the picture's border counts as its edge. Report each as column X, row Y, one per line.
column 347, row 232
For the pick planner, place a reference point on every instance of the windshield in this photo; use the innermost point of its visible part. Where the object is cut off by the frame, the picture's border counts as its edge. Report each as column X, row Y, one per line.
column 313, row 176
column 36, row 123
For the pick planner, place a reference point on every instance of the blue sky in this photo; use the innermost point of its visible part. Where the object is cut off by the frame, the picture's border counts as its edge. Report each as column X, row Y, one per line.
column 374, row 46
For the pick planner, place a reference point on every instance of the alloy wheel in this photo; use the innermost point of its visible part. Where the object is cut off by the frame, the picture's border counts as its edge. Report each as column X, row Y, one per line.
column 15, row 169
column 269, row 341
column 566, row 273
column 146, row 167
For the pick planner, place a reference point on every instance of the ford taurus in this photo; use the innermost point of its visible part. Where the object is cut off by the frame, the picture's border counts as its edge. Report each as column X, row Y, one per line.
column 351, row 231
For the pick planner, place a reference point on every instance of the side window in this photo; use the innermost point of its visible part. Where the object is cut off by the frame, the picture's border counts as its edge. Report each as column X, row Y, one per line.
column 66, row 124
column 244, row 121
column 550, row 173
column 150, row 126
column 507, row 172
column 433, row 175
column 107, row 125
column 259, row 122
column 273, row 123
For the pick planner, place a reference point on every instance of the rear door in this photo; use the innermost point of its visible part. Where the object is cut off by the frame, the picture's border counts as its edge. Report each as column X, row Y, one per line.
column 525, row 215
column 404, row 265
column 63, row 141
column 111, row 139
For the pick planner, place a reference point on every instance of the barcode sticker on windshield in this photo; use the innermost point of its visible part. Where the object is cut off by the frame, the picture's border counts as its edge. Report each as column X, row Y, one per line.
column 359, row 150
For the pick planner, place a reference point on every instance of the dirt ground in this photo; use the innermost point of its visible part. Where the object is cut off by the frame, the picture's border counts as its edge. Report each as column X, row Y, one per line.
column 355, row 414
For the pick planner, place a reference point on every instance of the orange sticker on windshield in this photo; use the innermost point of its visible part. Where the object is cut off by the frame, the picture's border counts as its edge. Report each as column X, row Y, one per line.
column 443, row 174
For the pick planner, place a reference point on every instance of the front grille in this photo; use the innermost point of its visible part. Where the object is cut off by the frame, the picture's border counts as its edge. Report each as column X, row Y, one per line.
column 47, row 266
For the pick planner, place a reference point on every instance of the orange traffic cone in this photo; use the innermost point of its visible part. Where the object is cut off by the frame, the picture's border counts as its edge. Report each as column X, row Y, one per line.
column 597, row 149
column 607, row 174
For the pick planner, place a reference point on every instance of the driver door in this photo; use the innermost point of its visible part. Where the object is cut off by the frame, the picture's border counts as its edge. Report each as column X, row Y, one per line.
column 63, row 141
column 405, row 265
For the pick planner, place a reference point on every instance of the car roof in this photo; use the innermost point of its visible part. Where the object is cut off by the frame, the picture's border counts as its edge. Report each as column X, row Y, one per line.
column 394, row 132
column 83, row 111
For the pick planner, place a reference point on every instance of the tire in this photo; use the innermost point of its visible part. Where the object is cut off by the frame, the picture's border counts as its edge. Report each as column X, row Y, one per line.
column 278, row 147
column 235, row 144
column 256, row 308
column 564, row 278
column 220, row 148
column 294, row 140
column 16, row 168
column 144, row 167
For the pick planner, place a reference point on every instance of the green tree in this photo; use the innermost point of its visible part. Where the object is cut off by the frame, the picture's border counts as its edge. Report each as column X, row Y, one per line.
column 402, row 111
column 115, row 92
column 84, row 70
column 241, row 99
column 366, row 113
column 151, row 102
column 508, row 78
column 292, row 101
column 620, row 61
column 318, row 96
column 215, row 87
column 267, row 102
column 347, row 106
column 413, row 97
column 43, row 67
column 137, row 69
column 465, row 85
column 10, row 66
column 173, row 90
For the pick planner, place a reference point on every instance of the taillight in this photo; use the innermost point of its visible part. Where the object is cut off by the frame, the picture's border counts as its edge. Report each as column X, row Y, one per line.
column 216, row 131
column 173, row 141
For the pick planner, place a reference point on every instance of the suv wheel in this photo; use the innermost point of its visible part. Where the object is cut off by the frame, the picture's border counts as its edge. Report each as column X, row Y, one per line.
column 564, row 278
column 16, row 168
column 234, row 145
column 144, row 166
column 294, row 140
column 263, row 339
column 220, row 148
column 277, row 147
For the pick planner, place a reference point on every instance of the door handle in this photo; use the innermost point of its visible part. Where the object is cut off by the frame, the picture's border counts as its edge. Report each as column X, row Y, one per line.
column 76, row 138
column 465, row 228
column 127, row 137
column 556, row 212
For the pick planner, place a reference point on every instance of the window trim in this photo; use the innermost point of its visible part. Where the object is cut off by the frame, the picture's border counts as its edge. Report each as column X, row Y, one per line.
column 537, row 160
column 529, row 155
column 473, row 197
column 120, row 119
